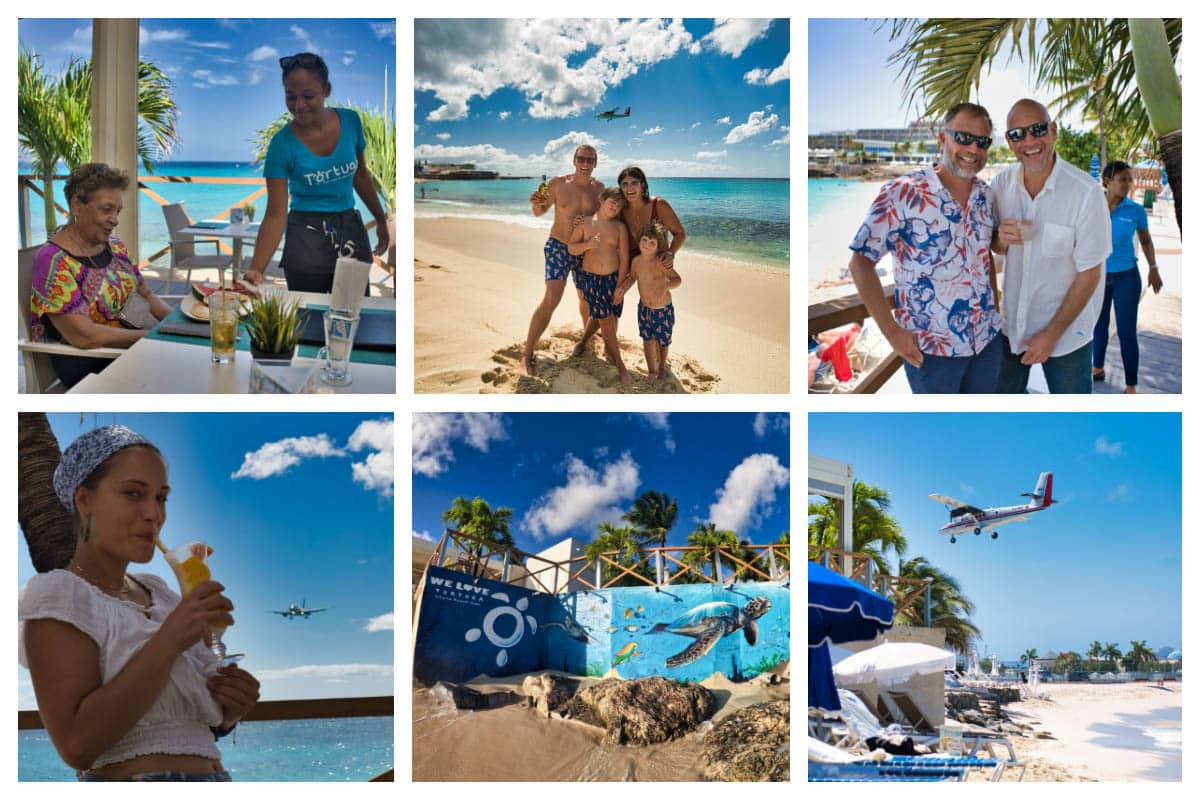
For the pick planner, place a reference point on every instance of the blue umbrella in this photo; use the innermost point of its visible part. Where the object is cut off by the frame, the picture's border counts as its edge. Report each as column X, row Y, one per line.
column 839, row 610
column 1095, row 167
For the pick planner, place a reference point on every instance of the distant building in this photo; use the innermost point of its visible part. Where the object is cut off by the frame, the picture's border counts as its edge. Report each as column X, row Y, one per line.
column 449, row 172
column 921, row 139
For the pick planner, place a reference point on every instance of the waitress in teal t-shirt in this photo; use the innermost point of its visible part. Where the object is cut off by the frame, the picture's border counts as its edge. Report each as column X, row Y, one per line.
column 1122, row 281
column 317, row 161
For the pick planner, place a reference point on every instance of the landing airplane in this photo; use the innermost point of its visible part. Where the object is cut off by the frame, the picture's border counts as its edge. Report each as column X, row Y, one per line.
column 965, row 517
column 613, row 113
column 298, row 611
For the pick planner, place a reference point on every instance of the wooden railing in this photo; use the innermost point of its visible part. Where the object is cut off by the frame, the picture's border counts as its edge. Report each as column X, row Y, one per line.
column 271, row 710
column 665, row 565
column 844, row 311
column 912, row 597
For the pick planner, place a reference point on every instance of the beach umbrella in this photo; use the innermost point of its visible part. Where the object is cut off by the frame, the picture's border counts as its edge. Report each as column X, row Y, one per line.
column 1094, row 168
column 892, row 663
column 995, row 665
column 839, row 610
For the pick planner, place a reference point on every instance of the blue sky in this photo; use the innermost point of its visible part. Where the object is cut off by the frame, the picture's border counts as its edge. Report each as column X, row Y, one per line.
column 1105, row 563
column 226, row 72
column 295, row 506
column 850, row 84
column 518, row 96
column 563, row 474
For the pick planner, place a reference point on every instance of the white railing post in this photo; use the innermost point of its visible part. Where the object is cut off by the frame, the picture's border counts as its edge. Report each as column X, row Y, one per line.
column 659, row 566
column 504, row 569
column 717, row 565
column 599, row 574
column 771, row 562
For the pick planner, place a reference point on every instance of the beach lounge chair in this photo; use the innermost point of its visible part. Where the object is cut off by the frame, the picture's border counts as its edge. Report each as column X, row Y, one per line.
column 827, row 763
column 909, row 714
column 183, row 247
column 40, row 376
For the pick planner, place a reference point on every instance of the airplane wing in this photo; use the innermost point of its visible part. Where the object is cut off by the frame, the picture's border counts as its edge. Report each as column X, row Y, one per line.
column 280, row 613
column 314, row 610
column 1006, row 520
column 950, row 501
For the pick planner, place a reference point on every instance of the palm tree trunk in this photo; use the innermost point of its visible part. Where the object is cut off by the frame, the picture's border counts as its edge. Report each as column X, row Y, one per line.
column 1103, row 140
column 48, row 200
column 48, row 527
column 1163, row 97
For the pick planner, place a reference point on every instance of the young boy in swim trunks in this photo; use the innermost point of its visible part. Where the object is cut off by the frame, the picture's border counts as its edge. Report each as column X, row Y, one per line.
column 603, row 241
column 656, row 313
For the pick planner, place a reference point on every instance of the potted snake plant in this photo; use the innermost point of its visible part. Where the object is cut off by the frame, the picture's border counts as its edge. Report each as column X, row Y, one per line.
column 273, row 324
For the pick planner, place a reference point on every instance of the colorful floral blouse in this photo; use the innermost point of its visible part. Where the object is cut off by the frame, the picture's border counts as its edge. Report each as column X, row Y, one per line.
column 941, row 261
column 65, row 284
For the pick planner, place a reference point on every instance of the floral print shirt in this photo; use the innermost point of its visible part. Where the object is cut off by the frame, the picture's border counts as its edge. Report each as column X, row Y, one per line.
column 66, row 284
column 941, row 261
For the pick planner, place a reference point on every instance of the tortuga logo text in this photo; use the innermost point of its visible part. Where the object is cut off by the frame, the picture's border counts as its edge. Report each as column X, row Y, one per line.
column 519, row 621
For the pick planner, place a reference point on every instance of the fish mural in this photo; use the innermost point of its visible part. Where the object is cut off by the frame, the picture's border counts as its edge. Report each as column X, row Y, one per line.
column 625, row 653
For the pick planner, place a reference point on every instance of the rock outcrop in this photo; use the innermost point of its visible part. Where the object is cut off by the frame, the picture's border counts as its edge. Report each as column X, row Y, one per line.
column 646, row 710
column 548, row 693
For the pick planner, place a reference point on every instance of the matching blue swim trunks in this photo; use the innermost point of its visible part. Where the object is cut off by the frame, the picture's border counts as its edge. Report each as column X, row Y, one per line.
column 559, row 261
column 598, row 291
column 656, row 323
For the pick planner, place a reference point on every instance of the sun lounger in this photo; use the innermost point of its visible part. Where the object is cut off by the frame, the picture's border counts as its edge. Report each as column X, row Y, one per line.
column 909, row 713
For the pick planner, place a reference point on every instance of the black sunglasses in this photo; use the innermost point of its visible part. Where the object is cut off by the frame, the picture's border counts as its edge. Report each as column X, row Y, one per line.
column 1038, row 129
column 586, row 159
column 963, row 138
column 301, row 60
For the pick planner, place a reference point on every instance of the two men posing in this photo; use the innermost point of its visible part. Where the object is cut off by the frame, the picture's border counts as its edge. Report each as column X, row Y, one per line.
column 953, row 327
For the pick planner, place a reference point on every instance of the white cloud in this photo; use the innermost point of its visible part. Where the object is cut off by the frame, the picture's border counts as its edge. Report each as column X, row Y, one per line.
column 769, row 77
column 725, row 121
column 695, row 125
column 443, row 136
column 349, row 57
column 1106, row 448
column 786, row 130
column 307, row 45
column 652, row 131
column 147, row 36
column 423, row 535
column 758, row 122
column 589, row 497
column 503, row 115
column 770, row 423
column 377, row 472
column 711, row 154
column 748, row 492
column 732, row 36
column 1121, row 492
column 384, row 30
column 384, row 622
column 435, row 434
column 263, row 53
column 330, row 672
column 460, row 61
column 660, row 421
column 209, row 79
column 276, row 458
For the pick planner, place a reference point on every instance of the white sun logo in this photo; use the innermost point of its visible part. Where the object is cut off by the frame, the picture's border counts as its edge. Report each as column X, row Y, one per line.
column 520, row 619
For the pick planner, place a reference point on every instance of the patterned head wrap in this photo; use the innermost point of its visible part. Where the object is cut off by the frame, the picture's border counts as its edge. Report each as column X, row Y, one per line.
column 89, row 451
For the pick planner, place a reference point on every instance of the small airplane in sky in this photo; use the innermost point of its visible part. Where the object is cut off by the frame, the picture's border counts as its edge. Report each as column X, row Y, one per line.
column 298, row 611
column 965, row 517
column 613, row 113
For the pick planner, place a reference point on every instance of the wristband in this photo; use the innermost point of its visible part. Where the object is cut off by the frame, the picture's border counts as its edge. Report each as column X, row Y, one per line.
column 1153, row 266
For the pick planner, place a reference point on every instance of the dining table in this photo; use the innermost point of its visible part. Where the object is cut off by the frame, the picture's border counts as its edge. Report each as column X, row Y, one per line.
column 165, row 363
column 239, row 232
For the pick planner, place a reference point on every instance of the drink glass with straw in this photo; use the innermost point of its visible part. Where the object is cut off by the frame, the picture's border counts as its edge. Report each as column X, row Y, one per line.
column 189, row 562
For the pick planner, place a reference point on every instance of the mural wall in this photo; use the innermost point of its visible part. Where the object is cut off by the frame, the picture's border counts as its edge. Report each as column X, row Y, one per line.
column 467, row 627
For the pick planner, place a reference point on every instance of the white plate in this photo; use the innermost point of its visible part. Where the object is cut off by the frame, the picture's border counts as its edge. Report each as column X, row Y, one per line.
column 195, row 310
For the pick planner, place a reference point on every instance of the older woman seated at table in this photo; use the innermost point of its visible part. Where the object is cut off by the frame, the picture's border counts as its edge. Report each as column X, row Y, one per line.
column 83, row 278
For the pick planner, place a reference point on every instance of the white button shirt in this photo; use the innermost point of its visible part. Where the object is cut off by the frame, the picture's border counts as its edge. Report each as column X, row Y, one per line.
column 1071, row 233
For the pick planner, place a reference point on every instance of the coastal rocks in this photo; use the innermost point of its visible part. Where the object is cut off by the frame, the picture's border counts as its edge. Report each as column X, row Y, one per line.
column 750, row 745
column 960, row 700
column 473, row 700
column 547, row 693
column 646, row 710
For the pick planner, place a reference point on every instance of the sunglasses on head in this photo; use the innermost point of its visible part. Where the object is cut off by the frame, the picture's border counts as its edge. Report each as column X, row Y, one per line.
column 301, row 60
column 1038, row 129
column 964, row 138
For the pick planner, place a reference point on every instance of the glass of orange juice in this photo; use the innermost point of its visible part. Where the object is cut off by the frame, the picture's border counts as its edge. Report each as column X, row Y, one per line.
column 189, row 562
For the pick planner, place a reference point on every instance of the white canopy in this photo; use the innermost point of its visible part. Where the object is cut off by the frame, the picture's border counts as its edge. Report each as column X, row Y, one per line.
column 891, row 663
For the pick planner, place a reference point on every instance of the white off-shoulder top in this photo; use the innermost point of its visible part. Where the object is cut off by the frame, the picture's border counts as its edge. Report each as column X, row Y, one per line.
column 180, row 720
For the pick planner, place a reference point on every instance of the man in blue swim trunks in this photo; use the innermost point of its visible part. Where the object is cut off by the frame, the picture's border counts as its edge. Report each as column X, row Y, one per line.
column 573, row 197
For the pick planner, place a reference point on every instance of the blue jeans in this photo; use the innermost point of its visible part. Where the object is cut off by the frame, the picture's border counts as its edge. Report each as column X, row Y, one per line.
column 956, row 374
column 1066, row 374
column 1122, row 290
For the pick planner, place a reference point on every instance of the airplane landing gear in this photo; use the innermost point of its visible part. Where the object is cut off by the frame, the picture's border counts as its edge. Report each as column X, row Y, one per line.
column 952, row 540
column 978, row 531
column 995, row 535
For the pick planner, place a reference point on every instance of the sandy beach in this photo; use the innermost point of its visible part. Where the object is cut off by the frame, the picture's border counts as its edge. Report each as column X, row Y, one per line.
column 514, row 743
column 478, row 281
column 1098, row 732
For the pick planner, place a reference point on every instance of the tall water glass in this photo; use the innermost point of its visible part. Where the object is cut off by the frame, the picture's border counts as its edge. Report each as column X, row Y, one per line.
column 339, row 341
column 223, row 308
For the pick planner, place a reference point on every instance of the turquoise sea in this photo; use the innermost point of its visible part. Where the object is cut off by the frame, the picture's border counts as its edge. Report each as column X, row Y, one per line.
column 743, row 219
column 355, row 749
column 203, row 200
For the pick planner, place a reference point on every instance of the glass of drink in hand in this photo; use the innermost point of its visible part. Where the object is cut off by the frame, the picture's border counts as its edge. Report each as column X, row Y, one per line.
column 189, row 562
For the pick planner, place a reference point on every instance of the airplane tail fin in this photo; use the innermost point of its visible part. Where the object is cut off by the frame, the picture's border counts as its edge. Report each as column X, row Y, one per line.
column 1045, row 487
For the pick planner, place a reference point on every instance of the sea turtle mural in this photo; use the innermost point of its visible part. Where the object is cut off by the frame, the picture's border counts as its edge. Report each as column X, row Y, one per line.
column 572, row 628
column 709, row 622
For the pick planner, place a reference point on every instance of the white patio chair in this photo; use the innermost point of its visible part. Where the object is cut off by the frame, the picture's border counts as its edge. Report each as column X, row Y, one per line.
column 183, row 247
column 40, row 377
